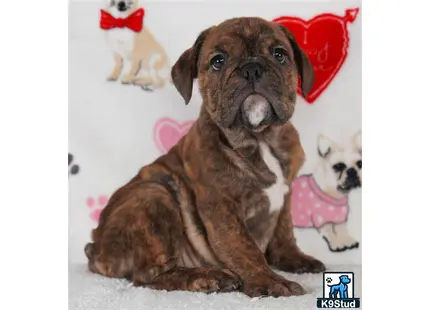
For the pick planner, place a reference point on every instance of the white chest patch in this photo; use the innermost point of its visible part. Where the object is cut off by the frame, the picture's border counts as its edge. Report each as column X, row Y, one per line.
column 276, row 192
column 121, row 41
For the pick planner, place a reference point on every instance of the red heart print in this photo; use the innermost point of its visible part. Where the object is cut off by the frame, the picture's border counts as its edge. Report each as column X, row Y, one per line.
column 325, row 40
column 168, row 132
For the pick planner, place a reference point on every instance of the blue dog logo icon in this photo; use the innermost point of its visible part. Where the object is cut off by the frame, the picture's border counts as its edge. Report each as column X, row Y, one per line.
column 340, row 290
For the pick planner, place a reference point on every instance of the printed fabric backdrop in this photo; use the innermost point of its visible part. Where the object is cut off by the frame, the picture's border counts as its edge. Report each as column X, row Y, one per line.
column 124, row 111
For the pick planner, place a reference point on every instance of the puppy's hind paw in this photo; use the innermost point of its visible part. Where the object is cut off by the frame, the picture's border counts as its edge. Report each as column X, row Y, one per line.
column 216, row 281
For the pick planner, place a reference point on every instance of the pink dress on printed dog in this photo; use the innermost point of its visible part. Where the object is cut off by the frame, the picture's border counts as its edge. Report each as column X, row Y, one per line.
column 311, row 207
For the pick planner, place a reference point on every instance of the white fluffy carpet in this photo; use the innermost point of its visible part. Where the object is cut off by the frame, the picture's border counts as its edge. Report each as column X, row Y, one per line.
column 93, row 292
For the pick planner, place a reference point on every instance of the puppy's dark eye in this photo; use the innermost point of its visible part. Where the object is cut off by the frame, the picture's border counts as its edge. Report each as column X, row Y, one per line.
column 217, row 62
column 359, row 164
column 339, row 167
column 279, row 54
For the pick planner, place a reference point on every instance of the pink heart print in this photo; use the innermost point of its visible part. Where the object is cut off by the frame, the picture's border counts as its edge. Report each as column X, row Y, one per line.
column 96, row 206
column 168, row 132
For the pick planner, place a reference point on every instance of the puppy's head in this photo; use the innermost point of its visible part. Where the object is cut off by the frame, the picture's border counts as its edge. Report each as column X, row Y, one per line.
column 341, row 165
column 121, row 8
column 247, row 71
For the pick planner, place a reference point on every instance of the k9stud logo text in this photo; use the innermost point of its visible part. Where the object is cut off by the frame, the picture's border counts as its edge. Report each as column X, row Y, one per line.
column 338, row 291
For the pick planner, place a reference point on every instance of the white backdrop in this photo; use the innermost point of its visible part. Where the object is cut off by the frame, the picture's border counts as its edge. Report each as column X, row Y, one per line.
column 115, row 129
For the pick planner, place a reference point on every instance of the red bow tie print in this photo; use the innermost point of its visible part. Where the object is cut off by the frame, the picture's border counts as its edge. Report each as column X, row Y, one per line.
column 133, row 21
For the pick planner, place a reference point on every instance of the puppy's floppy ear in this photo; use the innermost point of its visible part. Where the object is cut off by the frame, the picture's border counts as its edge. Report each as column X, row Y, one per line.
column 325, row 146
column 356, row 140
column 185, row 70
column 304, row 67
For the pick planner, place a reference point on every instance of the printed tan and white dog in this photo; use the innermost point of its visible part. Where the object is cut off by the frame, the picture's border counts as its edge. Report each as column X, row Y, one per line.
column 149, row 67
column 320, row 199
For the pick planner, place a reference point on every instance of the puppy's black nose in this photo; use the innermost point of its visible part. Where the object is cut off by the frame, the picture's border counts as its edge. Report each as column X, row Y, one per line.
column 122, row 6
column 252, row 72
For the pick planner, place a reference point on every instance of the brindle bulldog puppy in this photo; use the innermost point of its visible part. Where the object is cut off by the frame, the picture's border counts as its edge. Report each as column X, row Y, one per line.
column 213, row 213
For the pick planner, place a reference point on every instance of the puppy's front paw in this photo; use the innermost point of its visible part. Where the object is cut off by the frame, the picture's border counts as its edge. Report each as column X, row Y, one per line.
column 300, row 263
column 228, row 282
column 275, row 286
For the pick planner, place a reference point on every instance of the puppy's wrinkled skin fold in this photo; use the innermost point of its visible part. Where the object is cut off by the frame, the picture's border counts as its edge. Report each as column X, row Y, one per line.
column 204, row 217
